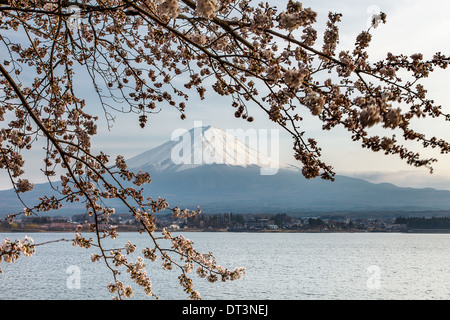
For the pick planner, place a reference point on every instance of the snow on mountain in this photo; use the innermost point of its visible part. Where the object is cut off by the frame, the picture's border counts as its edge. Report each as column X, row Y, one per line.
column 210, row 145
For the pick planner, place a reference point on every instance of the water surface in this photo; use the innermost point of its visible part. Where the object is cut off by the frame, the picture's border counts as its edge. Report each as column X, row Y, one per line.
column 281, row 266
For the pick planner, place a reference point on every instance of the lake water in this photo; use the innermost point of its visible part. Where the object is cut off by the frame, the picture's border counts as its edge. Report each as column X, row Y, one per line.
column 281, row 266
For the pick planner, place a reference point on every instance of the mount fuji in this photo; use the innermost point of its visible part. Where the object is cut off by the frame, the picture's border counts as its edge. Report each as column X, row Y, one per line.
column 215, row 170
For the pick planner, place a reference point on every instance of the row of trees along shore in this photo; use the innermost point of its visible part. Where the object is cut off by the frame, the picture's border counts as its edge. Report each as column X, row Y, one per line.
column 236, row 222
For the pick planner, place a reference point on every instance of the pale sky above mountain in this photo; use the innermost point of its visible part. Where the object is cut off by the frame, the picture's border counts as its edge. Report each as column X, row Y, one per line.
column 413, row 26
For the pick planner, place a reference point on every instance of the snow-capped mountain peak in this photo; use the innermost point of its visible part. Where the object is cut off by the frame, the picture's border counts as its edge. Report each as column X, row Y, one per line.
column 210, row 145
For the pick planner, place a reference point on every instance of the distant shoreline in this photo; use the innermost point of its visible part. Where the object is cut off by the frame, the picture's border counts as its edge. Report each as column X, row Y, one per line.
column 280, row 223
column 414, row 231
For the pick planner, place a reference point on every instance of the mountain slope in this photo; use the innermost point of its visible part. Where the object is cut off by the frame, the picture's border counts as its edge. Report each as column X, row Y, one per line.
column 240, row 187
column 218, row 188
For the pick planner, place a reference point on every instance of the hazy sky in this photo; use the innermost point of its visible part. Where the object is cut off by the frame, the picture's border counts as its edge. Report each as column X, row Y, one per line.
column 412, row 27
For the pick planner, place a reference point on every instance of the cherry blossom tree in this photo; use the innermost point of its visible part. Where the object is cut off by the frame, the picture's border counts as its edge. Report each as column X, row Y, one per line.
column 153, row 54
